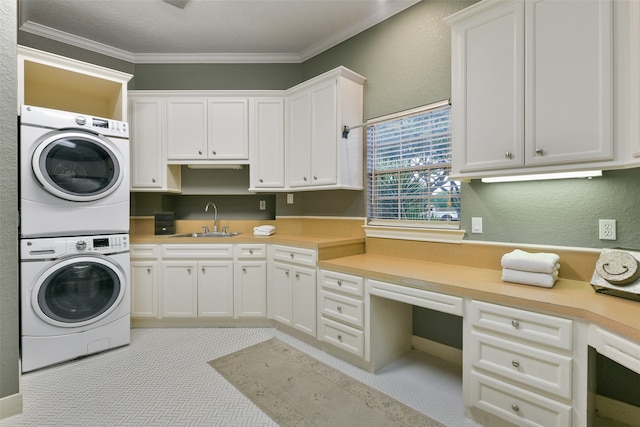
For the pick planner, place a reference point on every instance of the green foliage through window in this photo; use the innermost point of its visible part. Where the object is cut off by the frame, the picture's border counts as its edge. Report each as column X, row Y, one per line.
column 409, row 162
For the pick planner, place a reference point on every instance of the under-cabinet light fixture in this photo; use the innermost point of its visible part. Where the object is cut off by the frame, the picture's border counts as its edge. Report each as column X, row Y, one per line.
column 215, row 166
column 544, row 176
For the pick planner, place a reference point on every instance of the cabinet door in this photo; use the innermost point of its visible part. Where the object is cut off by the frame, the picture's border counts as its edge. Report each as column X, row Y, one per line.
column 281, row 294
column 146, row 143
column 267, row 143
column 215, row 289
column 488, row 90
column 179, row 289
column 304, row 300
column 324, row 138
column 144, row 289
column 251, row 289
column 187, row 129
column 299, row 141
column 228, row 129
column 568, row 81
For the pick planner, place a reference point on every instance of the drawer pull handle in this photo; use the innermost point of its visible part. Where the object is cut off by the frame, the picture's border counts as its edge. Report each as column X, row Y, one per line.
column 339, row 308
column 515, row 324
column 250, row 251
column 291, row 255
column 515, row 363
column 339, row 282
column 515, row 407
column 508, row 155
column 340, row 338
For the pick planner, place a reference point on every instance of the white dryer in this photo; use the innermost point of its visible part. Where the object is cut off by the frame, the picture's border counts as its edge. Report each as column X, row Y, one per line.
column 75, row 297
column 74, row 174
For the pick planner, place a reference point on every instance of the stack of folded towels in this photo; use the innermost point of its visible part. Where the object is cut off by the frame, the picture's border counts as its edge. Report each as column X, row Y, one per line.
column 537, row 269
column 264, row 230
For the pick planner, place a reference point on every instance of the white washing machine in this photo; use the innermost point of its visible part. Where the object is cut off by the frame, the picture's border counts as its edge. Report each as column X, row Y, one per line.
column 74, row 174
column 75, row 297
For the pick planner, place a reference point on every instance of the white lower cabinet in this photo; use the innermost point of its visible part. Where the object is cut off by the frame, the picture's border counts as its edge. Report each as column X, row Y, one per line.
column 341, row 308
column 292, row 287
column 251, row 280
column 144, row 281
column 519, row 365
column 197, row 281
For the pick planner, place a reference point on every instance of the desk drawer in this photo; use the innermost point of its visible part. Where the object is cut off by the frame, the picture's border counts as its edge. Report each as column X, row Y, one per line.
column 342, row 336
column 527, row 365
column 525, row 325
column 197, row 251
column 342, row 308
column 517, row 405
column 341, row 282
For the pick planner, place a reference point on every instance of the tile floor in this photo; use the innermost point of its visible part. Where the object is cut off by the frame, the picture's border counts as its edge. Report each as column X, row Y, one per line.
column 163, row 379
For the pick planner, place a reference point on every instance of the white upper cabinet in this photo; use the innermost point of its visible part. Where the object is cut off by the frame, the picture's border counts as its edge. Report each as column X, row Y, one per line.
column 318, row 157
column 207, row 129
column 266, row 134
column 532, row 86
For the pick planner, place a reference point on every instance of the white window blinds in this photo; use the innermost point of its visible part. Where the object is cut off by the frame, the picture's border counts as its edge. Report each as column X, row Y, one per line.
column 409, row 162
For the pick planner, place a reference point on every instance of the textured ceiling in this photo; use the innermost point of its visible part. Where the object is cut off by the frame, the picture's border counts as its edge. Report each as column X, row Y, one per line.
column 211, row 30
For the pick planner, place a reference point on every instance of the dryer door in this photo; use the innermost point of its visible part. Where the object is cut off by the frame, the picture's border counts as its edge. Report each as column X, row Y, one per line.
column 78, row 291
column 78, row 166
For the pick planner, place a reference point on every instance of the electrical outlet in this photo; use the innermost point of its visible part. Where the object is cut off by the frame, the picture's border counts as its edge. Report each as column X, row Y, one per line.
column 607, row 229
column 290, row 198
column 263, row 205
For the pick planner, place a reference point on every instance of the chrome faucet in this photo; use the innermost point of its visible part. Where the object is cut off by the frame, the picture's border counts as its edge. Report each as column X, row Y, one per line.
column 215, row 215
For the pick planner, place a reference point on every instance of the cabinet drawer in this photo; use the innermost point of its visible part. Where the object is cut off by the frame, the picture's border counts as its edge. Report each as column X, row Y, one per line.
column 517, row 405
column 342, row 336
column 419, row 297
column 530, row 366
column 197, row 251
column 341, row 282
column 143, row 251
column 251, row 251
column 344, row 309
column 534, row 327
column 295, row 255
column 616, row 348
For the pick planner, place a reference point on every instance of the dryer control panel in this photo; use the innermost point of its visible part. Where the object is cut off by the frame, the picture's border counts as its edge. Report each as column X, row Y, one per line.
column 56, row 119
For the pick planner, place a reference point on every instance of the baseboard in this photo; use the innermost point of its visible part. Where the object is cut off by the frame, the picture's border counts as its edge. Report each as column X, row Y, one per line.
column 616, row 410
column 11, row 405
column 441, row 351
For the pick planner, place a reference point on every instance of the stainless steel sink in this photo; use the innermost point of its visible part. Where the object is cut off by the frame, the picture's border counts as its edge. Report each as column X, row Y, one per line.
column 208, row 234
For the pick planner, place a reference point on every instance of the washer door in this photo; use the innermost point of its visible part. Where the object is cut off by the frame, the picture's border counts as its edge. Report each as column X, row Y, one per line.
column 77, row 166
column 78, row 291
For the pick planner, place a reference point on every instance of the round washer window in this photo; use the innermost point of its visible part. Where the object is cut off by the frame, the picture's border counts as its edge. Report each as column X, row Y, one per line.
column 79, row 292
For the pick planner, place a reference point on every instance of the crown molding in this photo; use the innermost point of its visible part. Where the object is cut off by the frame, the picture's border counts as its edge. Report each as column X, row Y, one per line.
column 392, row 8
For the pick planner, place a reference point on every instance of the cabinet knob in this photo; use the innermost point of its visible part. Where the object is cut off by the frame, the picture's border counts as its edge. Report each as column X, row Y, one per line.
column 189, row 270
column 250, row 251
column 148, row 270
column 340, row 338
column 315, row 178
column 244, row 269
column 539, row 152
column 515, row 363
column 291, row 255
column 213, row 152
column 297, row 275
column 515, row 324
column 286, row 273
column 339, row 308
column 339, row 282
column 304, row 178
column 153, row 180
column 508, row 155
column 515, row 407
column 261, row 180
column 200, row 152
column 204, row 269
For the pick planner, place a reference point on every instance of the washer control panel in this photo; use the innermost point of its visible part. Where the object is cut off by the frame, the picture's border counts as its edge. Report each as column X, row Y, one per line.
column 57, row 247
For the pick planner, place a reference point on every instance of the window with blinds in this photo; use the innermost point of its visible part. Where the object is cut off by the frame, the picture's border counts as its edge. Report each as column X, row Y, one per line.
column 408, row 165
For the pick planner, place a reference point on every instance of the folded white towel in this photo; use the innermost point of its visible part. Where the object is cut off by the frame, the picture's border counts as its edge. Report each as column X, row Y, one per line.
column 264, row 230
column 533, row 262
column 545, row 280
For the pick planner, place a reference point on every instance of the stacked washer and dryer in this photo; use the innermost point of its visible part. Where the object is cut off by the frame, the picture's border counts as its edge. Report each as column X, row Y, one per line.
column 74, row 241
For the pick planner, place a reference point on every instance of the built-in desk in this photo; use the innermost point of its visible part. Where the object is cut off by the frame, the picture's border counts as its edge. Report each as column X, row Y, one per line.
column 504, row 325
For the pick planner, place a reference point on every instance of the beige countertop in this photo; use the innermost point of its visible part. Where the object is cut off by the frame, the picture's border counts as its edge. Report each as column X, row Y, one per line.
column 305, row 241
column 570, row 298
